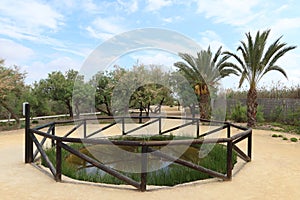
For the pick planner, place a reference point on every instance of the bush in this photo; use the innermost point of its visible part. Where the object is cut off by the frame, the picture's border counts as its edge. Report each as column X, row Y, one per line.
column 35, row 121
column 260, row 115
column 285, row 138
column 294, row 139
column 275, row 135
column 239, row 113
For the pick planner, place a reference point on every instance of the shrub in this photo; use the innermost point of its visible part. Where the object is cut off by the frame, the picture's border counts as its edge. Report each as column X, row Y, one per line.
column 293, row 139
column 35, row 121
column 276, row 114
column 171, row 175
column 239, row 113
column 260, row 115
column 275, row 135
column 285, row 138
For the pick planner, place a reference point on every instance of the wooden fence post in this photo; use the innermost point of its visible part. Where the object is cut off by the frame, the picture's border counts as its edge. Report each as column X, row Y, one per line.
column 123, row 126
column 58, row 161
column 228, row 131
column 84, row 128
column 198, row 128
column 159, row 125
column 229, row 160
column 250, row 144
column 53, row 133
column 28, row 138
column 144, row 168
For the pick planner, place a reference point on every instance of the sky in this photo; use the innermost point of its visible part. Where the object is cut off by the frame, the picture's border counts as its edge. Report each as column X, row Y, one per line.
column 45, row 36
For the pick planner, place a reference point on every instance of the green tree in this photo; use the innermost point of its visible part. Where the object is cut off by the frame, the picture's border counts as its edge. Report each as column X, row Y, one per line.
column 204, row 72
column 154, row 88
column 257, row 61
column 11, row 87
column 59, row 87
column 104, row 84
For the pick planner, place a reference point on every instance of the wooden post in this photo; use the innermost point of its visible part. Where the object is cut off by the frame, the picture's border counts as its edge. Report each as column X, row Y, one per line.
column 84, row 128
column 159, row 125
column 250, row 145
column 229, row 160
column 53, row 133
column 58, row 161
column 228, row 131
column 144, row 160
column 141, row 114
column 123, row 126
column 28, row 138
column 198, row 128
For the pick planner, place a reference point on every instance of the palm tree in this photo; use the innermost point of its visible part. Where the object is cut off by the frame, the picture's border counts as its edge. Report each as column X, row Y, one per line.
column 256, row 61
column 203, row 72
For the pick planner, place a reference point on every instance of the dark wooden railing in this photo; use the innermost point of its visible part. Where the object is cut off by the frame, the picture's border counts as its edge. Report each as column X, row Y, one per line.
column 62, row 143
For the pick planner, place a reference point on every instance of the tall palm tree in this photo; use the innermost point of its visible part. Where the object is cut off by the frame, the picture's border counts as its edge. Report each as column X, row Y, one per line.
column 203, row 72
column 257, row 61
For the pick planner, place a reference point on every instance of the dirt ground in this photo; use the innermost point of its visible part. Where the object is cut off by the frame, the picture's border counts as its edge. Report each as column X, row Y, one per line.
column 274, row 173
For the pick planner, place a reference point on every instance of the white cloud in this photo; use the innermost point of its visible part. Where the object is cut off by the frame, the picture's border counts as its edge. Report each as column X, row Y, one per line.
column 40, row 70
column 30, row 15
column 105, row 28
column 155, row 58
column 14, row 53
column 130, row 6
column 29, row 20
column 286, row 24
column 212, row 39
column 154, row 5
column 233, row 12
column 173, row 19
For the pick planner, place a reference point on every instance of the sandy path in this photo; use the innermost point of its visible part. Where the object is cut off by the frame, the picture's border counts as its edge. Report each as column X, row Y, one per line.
column 274, row 173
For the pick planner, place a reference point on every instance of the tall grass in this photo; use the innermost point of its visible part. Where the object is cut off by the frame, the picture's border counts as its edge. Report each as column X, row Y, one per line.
column 169, row 176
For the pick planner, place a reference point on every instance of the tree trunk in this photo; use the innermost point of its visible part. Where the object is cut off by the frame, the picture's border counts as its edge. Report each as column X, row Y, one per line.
column 77, row 111
column 107, row 106
column 11, row 112
column 70, row 109
column 204, row 106
column 251, row 107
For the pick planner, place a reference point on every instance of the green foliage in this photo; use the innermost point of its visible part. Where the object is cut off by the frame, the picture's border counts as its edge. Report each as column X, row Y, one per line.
column 255, row 62
column 203, row 73
column 260, row 115
column 172, row 175
column 275, row 135
column 285, row 138
column 293, row 139
column 11, row 89
column 239, row 113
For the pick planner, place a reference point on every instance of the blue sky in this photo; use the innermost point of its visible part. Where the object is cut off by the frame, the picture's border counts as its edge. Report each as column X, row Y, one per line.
column 45, row 36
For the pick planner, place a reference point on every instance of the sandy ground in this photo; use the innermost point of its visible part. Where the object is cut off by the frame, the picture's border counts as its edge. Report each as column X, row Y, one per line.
column 274, row 173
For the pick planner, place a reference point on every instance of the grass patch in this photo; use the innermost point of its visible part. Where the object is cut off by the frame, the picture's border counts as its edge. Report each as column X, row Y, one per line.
column 287, row 128
column 169, row 176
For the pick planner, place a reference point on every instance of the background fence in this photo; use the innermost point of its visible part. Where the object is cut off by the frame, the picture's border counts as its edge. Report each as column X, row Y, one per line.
column 270, row 106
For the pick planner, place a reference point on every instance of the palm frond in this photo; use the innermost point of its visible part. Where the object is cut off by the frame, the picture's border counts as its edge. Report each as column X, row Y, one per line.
column 274, row 68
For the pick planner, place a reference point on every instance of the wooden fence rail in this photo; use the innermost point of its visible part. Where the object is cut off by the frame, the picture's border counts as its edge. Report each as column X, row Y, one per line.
column 62, row 143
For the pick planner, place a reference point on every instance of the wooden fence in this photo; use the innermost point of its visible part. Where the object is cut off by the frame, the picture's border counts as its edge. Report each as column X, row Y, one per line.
column 60, row 143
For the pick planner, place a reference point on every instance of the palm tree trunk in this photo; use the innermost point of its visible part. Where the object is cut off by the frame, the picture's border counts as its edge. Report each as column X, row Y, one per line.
column 251, row 107
column 204, row 106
